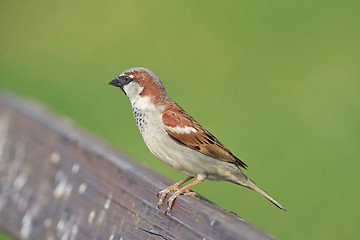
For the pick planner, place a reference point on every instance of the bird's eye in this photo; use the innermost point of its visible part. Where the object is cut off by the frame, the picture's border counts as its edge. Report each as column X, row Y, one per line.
column 128, row 79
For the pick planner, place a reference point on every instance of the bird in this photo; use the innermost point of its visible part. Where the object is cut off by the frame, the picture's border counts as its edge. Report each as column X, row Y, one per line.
column 177, row 139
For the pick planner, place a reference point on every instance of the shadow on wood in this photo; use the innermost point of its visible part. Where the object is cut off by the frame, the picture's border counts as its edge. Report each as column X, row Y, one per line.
column 58, row 182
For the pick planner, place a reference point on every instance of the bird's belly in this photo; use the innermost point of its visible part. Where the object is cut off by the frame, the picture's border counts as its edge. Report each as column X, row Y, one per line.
column 166, row 151
column 187, row 160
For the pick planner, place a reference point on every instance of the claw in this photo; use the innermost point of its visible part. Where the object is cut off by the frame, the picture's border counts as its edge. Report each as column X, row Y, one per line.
column 159, row 204
column 167, row 211
column 163, row 195
column 172, row 199
column 192, row 194
column 182, row 191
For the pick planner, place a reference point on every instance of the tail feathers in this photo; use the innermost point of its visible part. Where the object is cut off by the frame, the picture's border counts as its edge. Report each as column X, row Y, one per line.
column 247, row 182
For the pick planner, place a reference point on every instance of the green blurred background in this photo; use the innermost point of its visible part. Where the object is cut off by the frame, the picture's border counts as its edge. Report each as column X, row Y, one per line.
column 276, row 81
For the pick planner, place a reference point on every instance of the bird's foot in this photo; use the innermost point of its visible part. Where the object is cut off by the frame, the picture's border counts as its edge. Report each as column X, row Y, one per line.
column 164, row 193
column 178, row 191
column 176, row 194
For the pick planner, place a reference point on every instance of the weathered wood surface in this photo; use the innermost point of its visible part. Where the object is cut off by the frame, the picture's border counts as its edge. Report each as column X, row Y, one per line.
column 58, row 182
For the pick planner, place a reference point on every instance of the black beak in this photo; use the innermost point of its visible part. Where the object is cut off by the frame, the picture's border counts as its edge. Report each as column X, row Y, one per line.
column 117, row 82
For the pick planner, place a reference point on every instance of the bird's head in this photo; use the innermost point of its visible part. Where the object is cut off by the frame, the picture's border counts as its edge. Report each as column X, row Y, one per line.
column 140, row 81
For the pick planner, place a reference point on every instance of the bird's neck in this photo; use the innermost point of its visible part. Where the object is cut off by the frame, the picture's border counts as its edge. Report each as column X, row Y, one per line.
column 145, row 111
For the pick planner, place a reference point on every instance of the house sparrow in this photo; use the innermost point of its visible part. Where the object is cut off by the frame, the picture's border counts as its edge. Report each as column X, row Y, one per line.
column 175, row 138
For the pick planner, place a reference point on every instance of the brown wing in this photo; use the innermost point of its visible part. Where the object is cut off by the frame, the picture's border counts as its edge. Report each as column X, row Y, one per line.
column 186, row 131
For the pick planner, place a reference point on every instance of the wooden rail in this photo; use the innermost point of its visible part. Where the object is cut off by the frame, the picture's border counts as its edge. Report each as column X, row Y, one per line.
column 58, row 182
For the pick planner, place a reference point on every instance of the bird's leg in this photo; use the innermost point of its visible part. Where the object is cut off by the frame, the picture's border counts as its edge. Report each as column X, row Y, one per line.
column 174, row 187
column 182, row 191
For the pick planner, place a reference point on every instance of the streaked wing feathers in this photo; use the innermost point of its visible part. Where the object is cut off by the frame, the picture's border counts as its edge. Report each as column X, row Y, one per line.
column 186, row 131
